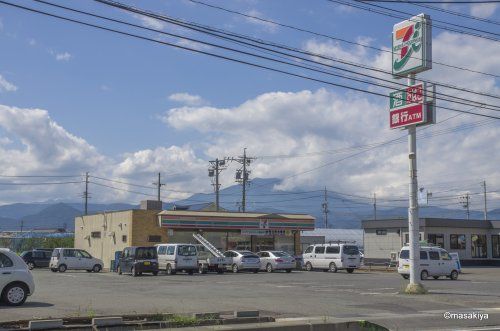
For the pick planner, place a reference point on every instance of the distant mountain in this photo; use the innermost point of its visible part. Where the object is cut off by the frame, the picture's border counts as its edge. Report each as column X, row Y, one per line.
column 343, row 212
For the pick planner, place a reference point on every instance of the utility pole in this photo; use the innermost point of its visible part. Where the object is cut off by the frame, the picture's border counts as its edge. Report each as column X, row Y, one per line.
column 485, row 206
column 375, row 206
column 465, row 203
column 86, row 193
column 325, row 208
column 159, row 184
column 216, row 166
column 242, row 175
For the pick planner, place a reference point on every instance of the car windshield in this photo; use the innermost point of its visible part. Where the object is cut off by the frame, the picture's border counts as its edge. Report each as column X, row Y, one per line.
column 187, row 250
column 351, row 250
column 405, row 254
column 146, row 253
column 248, row 254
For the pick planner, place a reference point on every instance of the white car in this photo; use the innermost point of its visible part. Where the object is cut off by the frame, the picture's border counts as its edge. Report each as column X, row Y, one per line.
column 177, row 257
column 74, row 259
column 16, row 280
column 332, row 257
column 434, row 262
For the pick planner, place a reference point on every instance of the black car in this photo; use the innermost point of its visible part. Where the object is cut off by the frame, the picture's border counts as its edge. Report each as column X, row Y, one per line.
column 37, row 258
column 138, row 260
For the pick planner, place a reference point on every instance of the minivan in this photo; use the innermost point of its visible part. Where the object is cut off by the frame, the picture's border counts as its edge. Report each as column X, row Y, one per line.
column 73, row 259
column 177, row 257
column 434, row 262
column 332, row 257
column 138, row 260
column 37, row 258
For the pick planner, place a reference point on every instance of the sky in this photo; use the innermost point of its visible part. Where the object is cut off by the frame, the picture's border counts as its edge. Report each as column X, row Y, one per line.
column 74, row 99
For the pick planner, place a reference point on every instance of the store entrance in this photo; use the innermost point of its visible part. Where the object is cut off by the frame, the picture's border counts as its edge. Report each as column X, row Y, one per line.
column 262, row 243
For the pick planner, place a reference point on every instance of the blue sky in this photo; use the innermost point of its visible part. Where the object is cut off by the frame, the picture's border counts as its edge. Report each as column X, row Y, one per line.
column 125, row 108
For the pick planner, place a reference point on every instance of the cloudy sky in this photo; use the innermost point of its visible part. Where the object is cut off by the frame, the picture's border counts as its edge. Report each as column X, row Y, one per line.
column 75, row 99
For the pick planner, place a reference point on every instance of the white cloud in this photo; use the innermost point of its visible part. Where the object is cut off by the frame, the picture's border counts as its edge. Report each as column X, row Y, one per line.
column 483, row 10
column 150, row 22
column 267, row 26
column 63, row 56
column 6, row 86
column 188, row 99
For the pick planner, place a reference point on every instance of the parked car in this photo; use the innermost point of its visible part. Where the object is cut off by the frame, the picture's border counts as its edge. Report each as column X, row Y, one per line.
column 138, row 260
column 434, row 262
column 332, row 257
column 37, row 258
column 276, row 260
column 74, row 259
column 16, row 280
column 177, row 257
column 243, row 260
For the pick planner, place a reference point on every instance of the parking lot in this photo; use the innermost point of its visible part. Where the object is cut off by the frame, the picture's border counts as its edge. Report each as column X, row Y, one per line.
column 361, row 295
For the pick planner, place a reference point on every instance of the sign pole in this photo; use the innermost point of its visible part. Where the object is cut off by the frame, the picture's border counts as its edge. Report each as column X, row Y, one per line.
column 413, row 221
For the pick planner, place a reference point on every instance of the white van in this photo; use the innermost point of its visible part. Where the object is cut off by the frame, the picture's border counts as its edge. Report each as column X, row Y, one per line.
column 177, row 257
column 332, row 257
column 74, row 259
column 434, row 262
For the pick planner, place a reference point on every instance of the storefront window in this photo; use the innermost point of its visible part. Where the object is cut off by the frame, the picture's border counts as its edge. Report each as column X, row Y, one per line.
column 238, row 242
column 436, row 239
column 457, row 241
column 495, row 246
column 478, row 246
column 262, row 243
column 285, row 244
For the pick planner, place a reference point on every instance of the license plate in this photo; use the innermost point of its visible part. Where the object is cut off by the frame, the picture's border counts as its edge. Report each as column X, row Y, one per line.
column 147, row 263
column 406, row 266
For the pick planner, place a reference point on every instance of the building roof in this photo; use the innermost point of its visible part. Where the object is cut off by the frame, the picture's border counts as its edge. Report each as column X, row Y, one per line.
column 234, row 214
column 430, row 222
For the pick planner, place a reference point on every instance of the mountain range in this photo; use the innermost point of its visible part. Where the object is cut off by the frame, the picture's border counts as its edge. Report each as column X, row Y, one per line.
column 344, row 212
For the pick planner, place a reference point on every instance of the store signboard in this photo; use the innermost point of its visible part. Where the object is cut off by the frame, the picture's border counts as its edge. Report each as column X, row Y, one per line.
column 407, row 106
column 412, row 46
column 250, row 232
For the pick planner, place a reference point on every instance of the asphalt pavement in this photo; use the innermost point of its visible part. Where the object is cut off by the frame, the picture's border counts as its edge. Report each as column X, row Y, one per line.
column 373, row 296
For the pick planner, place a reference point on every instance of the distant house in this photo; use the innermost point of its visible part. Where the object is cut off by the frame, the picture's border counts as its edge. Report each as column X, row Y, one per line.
column 476, row 241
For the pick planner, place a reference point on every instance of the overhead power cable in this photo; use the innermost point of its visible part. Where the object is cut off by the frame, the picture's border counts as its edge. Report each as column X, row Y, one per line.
column 40, row 176
column 433, row 20
column 459, row 2
column 44, row 183
column 253, row 64
column 319, row 34
column 222, row 34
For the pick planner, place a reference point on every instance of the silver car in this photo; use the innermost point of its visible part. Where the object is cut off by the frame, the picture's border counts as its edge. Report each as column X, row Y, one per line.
column 276, row 260
column 243, row 260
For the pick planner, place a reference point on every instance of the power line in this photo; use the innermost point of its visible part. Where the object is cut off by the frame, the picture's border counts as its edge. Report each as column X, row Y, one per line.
column 40, row 176
column 44, row 183
column 478, row 35
column 124, row 190
column 441, row 1
column 229, row 58
column 330, row 36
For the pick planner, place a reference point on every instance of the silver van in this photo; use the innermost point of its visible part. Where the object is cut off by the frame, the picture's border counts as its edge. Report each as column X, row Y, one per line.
column 177, row 257
column 332, row 257
column 74, row 259
column 434, row 262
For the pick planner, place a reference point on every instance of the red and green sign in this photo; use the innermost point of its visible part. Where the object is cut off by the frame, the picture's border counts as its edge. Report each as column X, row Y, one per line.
column 407, row 106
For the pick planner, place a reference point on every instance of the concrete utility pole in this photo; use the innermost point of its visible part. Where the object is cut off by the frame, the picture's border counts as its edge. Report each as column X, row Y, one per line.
column 242, row 175
column 159, row 184
column 86, row 193
column 413, row 221
column 466, row 203
column 375, row 206
column 485, row 206
column 215, row 169
column 325, row 208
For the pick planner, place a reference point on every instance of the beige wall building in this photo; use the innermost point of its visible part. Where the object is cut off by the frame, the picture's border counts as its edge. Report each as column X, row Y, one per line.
column 104, row 234
column 475, row 241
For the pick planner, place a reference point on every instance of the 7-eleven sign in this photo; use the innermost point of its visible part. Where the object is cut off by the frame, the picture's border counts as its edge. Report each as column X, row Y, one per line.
column 408, row 106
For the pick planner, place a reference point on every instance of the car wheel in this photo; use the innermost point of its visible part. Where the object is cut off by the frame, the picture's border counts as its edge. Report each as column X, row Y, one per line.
column 269, row 267
column 454, row 275
column 62, row 268
column 15, row 294
column 97, row 268
column 435, row 277
column 309, row 266
column 170, row 271
column 119, row 270
column 235, row 268
column 333, row 267
column 405, row 276
column 31, row 265
column 424, row 275
column 350, row 270
column 288, row 271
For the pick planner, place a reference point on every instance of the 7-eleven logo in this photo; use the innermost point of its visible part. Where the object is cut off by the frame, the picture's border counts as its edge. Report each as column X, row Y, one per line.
column 407, row 41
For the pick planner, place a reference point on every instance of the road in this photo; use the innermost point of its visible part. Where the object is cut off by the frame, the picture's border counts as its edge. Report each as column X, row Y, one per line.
column 362, row 295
